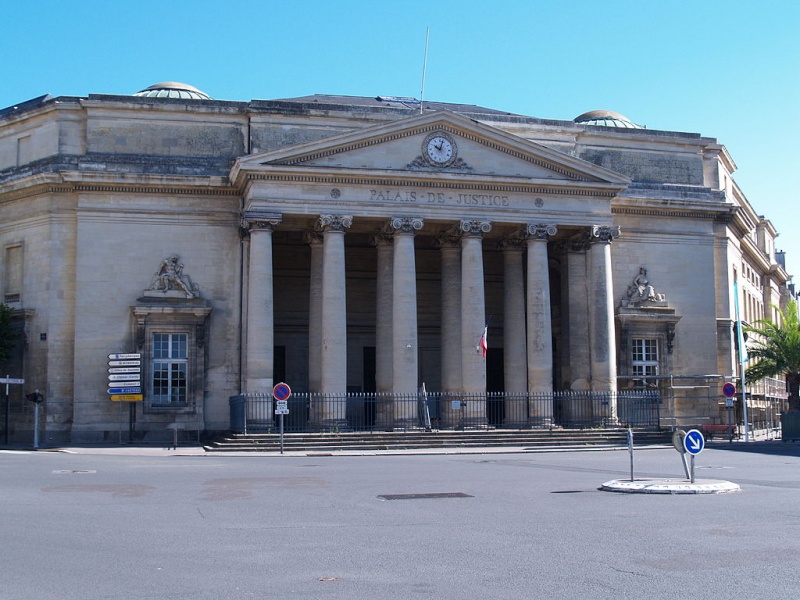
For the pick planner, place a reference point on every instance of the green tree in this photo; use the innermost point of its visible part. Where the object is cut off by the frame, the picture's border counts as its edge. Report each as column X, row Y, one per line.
column 775, row 351
column 7, row 333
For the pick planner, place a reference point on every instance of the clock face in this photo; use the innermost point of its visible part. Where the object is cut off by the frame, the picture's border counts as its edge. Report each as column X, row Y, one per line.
column 439, row 149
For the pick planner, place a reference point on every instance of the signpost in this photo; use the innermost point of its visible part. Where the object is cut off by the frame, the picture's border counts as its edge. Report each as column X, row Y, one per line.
column 730, row 391
column 693, row 443
column 281, row 393
column 9, row 381
column 125, row 384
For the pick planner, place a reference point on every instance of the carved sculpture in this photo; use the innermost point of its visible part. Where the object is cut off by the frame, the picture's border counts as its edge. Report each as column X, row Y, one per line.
column 169, row 279
column 642, row 291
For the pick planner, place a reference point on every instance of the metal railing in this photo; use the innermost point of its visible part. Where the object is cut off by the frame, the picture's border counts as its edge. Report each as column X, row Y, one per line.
column 442, row 410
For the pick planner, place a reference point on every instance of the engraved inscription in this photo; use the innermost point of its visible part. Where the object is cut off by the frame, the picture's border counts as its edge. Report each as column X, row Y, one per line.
column 426, row 197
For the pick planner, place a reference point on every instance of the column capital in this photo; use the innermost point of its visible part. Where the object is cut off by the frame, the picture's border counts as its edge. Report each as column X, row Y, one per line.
column 406, row 224
column 474, row 228
column 604, row 233
column 381, row 238
column 540, row 231
column 579, row 243
column 450, row 238
column 514, row 242
column 259, row 220
column 334, row 223
column 311, row 237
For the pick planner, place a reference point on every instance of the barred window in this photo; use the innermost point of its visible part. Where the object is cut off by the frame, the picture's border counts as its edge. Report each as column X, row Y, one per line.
column 170, row 366
column 644, row 357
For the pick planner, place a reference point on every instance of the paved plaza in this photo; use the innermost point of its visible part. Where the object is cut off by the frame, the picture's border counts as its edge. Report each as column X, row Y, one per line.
column 123, row 523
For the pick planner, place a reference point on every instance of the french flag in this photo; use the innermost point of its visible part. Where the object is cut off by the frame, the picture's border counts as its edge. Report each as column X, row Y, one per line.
column 483, row 344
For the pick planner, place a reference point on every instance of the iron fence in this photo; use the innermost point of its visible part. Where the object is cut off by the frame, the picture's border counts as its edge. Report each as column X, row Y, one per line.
column 441, row 410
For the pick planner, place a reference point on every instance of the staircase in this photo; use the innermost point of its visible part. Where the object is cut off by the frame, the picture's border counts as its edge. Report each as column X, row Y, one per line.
column 532, row 440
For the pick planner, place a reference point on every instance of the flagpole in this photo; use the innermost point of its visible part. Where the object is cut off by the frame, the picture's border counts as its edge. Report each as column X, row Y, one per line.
column 742, row 358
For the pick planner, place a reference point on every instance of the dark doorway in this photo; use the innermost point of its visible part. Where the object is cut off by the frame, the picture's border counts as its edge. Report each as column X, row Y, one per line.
column 495, row 386
column 370, row 386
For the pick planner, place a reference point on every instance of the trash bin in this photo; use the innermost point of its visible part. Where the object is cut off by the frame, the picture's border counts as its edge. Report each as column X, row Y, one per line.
column 238, row 410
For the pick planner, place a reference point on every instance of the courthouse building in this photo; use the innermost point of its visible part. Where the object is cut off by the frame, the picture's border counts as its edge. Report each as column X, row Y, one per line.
column 353, row 246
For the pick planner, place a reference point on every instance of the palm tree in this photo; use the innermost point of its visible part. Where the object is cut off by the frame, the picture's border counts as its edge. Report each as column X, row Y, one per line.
column 776, row 351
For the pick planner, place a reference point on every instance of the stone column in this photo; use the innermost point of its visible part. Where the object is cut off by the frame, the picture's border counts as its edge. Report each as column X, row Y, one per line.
column 602, row 338
column 405, row 350
column 384, row 416
column 260, row 331
column 473, row 321
column 515, row 356
column 451, row 349
column 580, row 371
column 333, row 337
column 540, row 327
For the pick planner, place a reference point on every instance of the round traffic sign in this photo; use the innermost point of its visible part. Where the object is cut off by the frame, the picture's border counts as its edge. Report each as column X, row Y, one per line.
column 694, row 442
column 677, row 439
column 729, row 390
column 281, row 391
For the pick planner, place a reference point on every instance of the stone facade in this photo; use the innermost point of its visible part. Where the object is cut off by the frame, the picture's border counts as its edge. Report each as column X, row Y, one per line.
column 356, row 244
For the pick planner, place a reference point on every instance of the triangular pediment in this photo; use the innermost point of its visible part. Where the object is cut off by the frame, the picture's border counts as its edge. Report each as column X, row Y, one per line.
column 435, row 145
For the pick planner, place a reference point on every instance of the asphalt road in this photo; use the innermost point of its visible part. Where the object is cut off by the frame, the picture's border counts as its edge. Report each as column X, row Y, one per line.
column 86, row 526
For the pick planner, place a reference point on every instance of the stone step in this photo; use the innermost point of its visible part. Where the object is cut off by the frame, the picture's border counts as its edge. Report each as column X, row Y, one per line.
column 270, row 442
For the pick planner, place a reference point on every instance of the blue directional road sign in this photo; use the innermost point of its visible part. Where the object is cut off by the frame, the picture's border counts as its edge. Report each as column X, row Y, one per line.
column 694, row 442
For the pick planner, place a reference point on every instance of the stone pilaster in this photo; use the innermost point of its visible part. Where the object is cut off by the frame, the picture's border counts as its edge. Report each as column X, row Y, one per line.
column 315, row 301
column 383, row 327
column 451, row 349
column 515, row 358
column 540, row 329
column 580, row 370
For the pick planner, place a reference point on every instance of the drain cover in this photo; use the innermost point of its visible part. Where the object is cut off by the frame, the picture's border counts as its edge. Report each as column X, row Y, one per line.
column 424, row 496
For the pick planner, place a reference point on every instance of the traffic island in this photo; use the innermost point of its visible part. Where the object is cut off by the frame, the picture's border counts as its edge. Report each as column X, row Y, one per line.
column 670, row 486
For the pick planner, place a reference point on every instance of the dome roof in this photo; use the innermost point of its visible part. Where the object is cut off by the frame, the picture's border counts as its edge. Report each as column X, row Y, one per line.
column 606, row 118
column 173, row 89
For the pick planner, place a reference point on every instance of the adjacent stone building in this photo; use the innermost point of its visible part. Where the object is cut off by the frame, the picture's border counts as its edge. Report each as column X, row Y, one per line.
column 353, row 245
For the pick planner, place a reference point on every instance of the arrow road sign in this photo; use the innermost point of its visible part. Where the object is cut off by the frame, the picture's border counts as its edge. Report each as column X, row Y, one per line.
column 124, row 363
column 130, row 356
column 125, row 390
column 8, row 380
column 694, row 442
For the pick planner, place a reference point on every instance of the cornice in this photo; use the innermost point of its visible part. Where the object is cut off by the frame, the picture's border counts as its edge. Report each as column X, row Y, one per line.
column 564, row 188
column 77, row 183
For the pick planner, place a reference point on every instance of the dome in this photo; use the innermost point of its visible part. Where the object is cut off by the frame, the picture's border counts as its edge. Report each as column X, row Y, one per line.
column 173, row 89
column 606, row 118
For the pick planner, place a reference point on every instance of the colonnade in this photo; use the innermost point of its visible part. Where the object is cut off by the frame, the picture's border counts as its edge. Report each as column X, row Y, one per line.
column 528, row 346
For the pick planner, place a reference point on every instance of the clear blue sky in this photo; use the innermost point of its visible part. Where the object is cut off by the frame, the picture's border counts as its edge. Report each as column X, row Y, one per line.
column 726, row 69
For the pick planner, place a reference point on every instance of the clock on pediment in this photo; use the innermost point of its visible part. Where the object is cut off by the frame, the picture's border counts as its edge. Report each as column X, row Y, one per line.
column 439, row 149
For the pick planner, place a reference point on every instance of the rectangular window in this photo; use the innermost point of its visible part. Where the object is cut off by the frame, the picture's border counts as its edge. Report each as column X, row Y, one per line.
column 12, row 276
column 644, row 358
column 169, row 368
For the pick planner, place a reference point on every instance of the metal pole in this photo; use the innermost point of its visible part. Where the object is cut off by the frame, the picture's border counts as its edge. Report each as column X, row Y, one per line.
column 691, row 480
column 281, row 425
column 36, row 427
column 630, row 449
column 8, row 409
